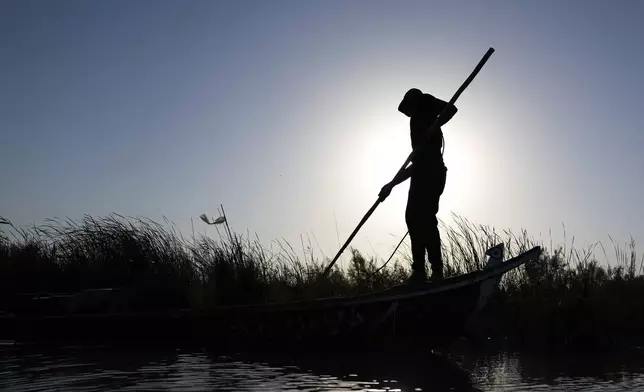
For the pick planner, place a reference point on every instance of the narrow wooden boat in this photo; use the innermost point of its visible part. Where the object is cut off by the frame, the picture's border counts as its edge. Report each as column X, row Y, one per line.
column 430, row 314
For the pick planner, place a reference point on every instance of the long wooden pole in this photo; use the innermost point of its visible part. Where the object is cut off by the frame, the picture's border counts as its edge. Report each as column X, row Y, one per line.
column 413, row 154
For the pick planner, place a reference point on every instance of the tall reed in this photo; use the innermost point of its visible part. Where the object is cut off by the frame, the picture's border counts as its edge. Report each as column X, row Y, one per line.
column 566, row 297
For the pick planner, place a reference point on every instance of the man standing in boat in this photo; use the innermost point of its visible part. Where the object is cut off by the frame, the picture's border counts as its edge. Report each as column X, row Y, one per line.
column 428, row 174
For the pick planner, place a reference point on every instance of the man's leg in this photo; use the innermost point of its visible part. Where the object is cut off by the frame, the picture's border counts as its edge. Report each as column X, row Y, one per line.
column 433, row 238
column 418, row 242
column 434, row 248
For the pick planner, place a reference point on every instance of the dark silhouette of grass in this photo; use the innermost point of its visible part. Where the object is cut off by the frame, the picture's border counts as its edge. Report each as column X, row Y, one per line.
column 566, row 298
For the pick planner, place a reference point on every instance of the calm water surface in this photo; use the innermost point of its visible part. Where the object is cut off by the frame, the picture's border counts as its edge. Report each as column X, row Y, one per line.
column 102, row 369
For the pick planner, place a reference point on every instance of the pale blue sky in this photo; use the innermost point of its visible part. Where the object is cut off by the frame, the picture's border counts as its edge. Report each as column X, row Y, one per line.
column 285, row 112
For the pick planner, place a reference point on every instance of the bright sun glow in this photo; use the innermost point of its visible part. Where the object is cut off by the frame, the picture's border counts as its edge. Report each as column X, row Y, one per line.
column 465, row 161
column 384, row 152
column 375, row 144
column 383, row 156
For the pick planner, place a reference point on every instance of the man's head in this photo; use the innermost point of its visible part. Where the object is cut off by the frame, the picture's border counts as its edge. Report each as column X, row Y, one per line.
column 410, row 102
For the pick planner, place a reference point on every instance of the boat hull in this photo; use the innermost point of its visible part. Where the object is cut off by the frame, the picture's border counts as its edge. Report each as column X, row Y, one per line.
column 431, row 315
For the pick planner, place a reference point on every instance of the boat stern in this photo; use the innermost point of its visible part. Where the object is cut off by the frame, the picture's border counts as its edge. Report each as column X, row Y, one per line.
column 495, row 257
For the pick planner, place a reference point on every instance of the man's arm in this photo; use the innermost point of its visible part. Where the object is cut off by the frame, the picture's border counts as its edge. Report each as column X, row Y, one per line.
column 386, row 190
column 449, row 113
column 402, row 176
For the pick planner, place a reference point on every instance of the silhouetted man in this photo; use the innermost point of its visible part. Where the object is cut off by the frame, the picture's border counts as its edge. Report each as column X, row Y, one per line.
column 428, row 174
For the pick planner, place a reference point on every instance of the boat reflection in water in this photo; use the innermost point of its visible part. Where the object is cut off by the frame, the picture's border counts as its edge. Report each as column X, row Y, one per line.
column 404, row 371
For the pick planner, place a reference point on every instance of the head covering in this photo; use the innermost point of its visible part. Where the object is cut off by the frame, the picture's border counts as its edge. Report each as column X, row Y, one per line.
column 410, row 101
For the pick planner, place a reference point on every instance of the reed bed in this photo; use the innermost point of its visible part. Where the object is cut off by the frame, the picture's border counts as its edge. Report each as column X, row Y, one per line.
column 567, row 298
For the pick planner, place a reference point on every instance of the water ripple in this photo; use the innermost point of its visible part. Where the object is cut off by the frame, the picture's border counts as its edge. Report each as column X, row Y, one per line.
column 97, row 370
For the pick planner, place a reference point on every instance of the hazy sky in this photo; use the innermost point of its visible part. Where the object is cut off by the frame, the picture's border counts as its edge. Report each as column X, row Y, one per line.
column 285, row 113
